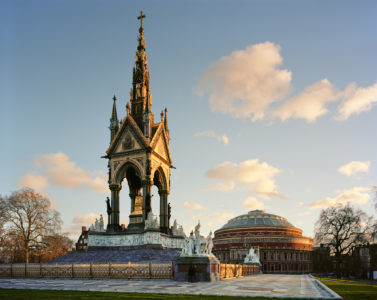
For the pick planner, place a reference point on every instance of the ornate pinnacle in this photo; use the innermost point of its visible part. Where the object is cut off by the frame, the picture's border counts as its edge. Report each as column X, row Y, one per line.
column 128, row 108
column 114, row 124
column 114, row 116
column 166, row 119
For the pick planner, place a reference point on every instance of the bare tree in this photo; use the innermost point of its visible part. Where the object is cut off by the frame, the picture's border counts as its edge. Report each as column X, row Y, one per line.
column 54, row 246
column 374, row 189
column 342, row 228
column 30, row 218
column 2, row 219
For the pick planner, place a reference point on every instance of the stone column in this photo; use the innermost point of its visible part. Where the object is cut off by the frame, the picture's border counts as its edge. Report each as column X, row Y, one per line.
column 132, row 195
column 115, row 189
column 147, row 197
column 164, row 219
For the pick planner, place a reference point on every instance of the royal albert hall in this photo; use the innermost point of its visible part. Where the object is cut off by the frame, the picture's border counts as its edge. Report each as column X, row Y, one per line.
column 282, row 248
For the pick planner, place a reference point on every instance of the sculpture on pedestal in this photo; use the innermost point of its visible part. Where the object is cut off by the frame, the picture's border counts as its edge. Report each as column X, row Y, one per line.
column 252, row 257
column 197, row 245
column 177, row 230
column 98, row 225
column 196, row 262
column 101, row 224
column 151, row 222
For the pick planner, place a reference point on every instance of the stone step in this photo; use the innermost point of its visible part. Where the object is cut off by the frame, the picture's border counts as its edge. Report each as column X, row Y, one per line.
column 118, row 256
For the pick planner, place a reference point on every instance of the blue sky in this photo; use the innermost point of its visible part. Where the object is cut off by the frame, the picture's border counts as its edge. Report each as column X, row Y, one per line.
column 266, row 101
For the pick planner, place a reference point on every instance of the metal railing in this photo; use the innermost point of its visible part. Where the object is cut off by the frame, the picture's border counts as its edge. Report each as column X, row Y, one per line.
column 236, row 270
column 109, row 270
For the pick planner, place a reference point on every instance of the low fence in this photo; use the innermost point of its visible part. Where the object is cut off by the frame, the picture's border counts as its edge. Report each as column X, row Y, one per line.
column 236, row 270
column 124, row 271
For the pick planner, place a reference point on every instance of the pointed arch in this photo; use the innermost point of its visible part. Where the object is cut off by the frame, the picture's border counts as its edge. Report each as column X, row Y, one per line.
column 121, row 171
column 159, row 179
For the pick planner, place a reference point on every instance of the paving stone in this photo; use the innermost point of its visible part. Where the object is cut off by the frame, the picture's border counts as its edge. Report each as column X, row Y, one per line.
column 269, row 285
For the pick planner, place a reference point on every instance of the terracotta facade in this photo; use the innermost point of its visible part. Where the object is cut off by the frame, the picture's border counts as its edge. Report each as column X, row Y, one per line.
column 282, row 247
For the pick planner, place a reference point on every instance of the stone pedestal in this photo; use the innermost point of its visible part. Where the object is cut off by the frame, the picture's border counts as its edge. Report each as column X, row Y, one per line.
column 125, row 240
column 197, row 268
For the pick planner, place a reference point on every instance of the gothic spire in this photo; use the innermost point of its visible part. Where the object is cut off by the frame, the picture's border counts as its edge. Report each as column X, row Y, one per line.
column 140, row 83
column 114, row 124
column 166, row 123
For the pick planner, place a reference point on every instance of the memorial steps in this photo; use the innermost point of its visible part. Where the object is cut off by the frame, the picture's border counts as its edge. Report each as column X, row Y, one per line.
column 118, row 256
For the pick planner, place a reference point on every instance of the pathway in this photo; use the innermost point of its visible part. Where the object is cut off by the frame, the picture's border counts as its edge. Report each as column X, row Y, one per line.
column 269, row 285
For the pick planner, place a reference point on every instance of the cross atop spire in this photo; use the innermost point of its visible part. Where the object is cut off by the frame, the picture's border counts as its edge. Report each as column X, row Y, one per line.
column 141, row 17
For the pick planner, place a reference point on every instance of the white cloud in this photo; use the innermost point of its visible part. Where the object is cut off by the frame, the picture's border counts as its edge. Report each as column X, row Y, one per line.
column 246, row 82
column 354, row 167
column 85, row 220
column 80, row 220
column 250, row 83
column 56, row 169
column 197, row 217
column 219, row 218
column 357, row 100
column 35, row 182
column 252, row 204
column 304, row 213
column 210, row 133
column 258, row 177
column 222, row 186
column 309, row 104
column 356, row 195
column 193, row 206
column 300, row 204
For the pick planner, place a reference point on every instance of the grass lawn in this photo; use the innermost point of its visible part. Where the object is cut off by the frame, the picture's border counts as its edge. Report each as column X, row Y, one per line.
column 350, row 289
column 50, row 294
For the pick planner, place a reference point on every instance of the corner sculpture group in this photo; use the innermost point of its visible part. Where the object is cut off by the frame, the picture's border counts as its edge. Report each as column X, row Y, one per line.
column 197, row 245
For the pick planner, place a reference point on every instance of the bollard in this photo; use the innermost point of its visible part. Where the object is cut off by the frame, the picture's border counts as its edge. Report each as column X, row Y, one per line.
column 73, row 271
column 150, row 270
column 129, row 270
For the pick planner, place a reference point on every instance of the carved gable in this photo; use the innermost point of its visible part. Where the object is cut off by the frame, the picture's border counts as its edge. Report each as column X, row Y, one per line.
column 127, row 142
column 161, row 149
column 160, row 145
column 129, row 137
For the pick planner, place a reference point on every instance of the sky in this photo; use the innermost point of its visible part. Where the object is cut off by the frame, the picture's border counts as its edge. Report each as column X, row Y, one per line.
column 271, row 104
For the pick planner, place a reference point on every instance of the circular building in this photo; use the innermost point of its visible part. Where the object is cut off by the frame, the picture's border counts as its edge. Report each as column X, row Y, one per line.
column 282, row 248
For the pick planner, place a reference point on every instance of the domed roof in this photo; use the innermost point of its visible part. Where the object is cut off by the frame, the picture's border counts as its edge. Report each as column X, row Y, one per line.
column 257, row 218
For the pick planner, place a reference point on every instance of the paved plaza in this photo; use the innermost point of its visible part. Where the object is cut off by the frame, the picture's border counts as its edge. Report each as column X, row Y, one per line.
column 304, row 286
